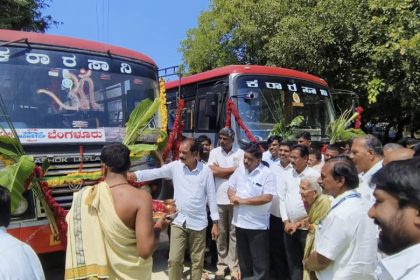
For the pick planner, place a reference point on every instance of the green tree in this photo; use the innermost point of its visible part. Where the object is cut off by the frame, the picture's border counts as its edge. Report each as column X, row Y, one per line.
column 368, row 46
column 25, row 15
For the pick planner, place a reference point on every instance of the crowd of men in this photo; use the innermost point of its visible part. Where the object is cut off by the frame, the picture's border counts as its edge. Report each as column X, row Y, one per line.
column 292, row 212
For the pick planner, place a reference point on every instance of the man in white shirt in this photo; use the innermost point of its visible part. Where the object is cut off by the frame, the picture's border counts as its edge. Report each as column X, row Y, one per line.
column 272, row 155
column 397, row 212
column 193, row 186
column 206, row 147
column 251, row 189
column 223, row 161
column 367, row 155
column 332, row 150
column 345, row 241
column 293, row 211
column 304, row 139
column 18, row 260
column 278, row 260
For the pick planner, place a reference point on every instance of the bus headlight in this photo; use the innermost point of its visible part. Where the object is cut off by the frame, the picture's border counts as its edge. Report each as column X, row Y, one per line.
column 23, row 206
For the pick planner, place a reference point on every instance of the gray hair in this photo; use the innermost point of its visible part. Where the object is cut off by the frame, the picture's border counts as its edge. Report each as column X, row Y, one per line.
column 227, row 131
column 372, row 143
column 313, row 184
column 392, row 146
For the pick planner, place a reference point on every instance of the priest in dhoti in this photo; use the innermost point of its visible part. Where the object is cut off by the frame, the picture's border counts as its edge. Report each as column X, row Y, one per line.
column 111, row 234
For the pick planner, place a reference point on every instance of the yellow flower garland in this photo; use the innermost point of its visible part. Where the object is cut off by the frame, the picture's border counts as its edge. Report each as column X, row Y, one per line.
column 73, row 178
column 162, row 108
column 6, row 161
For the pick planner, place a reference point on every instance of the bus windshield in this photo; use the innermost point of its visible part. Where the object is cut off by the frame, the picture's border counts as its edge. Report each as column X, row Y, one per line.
column 265, row 100
column 49, row 91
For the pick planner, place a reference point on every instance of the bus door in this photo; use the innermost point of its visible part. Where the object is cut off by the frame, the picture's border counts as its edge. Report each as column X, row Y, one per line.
column 188, row 93
column 211, row 108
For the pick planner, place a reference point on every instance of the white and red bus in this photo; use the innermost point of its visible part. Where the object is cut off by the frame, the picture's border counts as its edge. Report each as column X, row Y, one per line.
column 67, row 97
column 260, row 93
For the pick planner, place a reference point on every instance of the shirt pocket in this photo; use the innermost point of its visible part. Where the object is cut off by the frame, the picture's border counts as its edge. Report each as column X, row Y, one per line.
column 255, row 188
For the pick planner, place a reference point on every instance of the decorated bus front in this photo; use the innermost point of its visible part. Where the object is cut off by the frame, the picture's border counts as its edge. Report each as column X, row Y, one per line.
column 282, row 105
column 66, row 98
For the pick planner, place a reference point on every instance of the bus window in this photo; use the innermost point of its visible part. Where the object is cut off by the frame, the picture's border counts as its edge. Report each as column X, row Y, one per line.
column 264, row 100
column 205, row 121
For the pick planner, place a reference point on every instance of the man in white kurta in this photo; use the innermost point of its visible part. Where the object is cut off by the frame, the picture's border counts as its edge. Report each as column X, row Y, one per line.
column 367, row 154
column 345, row 242
column 223, row 161
column 279, row 268
column 251, row 189
column 193, row 187
column 293, row 211
column 18, row 259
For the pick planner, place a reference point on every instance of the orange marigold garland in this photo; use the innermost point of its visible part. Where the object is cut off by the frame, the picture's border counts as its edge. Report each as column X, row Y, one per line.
column 162, row 108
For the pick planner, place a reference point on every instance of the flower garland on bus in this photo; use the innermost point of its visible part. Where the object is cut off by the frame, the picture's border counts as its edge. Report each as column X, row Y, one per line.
column 59, row 212
column 180, row 128
column 358, row 120
column 176, row 133
column 72, row 178
column 231, row 108
column 163, row 110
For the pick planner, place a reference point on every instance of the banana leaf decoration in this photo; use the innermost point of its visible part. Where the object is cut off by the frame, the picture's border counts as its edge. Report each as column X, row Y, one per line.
column 8, row 148
column 139, row 118
column 13, row 177
column 338, row 130
column 137, row 124
column 140, row 150
column 285, row 130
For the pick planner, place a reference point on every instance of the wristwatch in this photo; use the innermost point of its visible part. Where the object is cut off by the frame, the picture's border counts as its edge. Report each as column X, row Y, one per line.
column 216, row 222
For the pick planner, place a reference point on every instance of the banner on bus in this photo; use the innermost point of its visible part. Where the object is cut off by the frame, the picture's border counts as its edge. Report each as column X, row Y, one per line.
column 50, row 136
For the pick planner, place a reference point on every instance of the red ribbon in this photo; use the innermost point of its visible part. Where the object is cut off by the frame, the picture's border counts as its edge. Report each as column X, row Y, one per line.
column 231, row 108
column 81, row 150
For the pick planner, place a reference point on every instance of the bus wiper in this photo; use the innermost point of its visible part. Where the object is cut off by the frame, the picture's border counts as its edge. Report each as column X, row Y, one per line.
column 15, row 41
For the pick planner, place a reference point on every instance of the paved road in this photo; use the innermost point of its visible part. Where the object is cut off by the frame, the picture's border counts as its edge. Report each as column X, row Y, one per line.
column 54, row 263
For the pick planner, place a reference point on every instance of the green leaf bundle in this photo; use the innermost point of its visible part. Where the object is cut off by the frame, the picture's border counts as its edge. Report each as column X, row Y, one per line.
column 139, row 119
column 13, row 177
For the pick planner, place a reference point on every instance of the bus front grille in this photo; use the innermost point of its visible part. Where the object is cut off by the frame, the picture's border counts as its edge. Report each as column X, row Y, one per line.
column 63, row 190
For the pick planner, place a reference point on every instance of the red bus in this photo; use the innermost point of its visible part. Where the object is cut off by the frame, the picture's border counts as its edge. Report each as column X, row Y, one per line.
column 261, row 94
column 67, row 97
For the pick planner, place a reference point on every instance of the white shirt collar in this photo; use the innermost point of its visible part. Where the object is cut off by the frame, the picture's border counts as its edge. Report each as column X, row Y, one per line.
column 197, row 168
column 287, row 166
column 398, row 265
column 367, row 176
column 233, row 150
column 301, row 174
column 257, row 170
column 344, row 194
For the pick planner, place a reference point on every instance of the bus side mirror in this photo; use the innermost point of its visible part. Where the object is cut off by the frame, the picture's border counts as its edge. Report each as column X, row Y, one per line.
column 212, row 104
column 251, row 95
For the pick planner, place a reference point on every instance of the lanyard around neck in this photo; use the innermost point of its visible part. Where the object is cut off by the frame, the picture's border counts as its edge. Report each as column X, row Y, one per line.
column 352, row 195
column 343, row 199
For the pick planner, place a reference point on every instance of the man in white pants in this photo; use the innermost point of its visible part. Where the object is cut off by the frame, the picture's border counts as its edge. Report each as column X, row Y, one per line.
column 223, row 161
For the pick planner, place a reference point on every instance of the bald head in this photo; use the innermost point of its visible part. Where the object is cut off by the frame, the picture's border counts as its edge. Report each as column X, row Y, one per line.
column 398, row 154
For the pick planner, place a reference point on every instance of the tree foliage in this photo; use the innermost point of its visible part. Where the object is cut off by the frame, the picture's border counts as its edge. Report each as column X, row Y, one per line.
column 368, row 46
column 25, row 15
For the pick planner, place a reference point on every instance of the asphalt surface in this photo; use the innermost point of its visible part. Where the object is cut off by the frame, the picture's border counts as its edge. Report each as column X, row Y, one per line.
column 54, row 263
